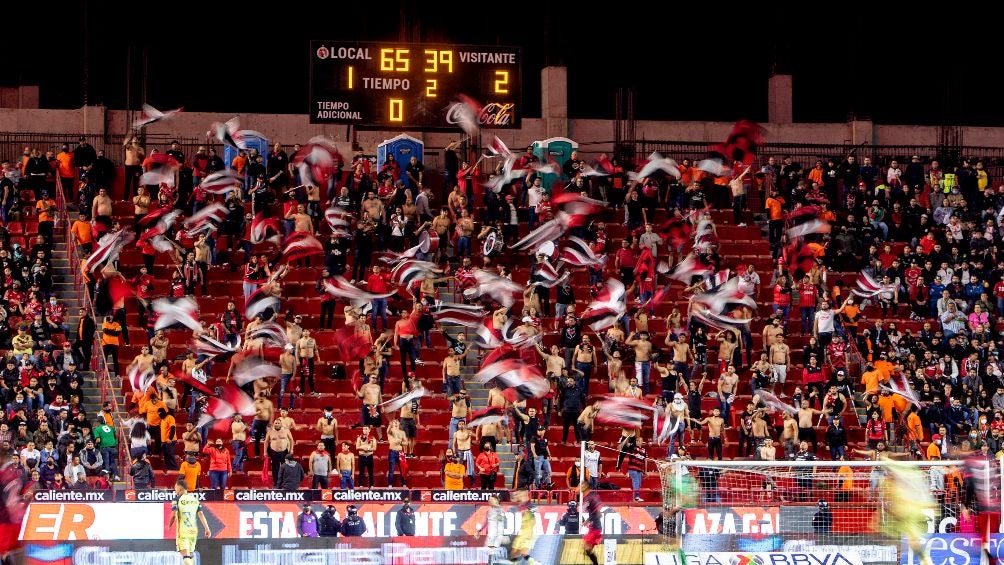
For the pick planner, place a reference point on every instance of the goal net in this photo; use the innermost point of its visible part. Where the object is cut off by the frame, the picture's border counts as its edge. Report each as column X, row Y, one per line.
column 769, row 506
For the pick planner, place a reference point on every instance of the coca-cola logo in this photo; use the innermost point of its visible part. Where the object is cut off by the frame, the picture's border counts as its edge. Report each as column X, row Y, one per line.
column 495, row 114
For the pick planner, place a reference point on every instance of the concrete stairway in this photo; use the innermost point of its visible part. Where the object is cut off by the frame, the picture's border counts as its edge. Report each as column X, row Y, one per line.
column 479, row 401
column 64, row 270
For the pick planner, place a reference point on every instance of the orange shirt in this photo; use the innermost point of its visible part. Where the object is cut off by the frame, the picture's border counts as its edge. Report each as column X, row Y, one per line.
column 168, row 429
column 914, row 427
column 870, row 379
column 238, row 164
column 845, row 476
column 885, row 370
column 886, row 404
column 43, row 206
column 151, row 409
column 65, row 159
column 82, row 231
column 933, row 451
column 816, row 176
column 457, row 469
column 190, row 472
column 774, row 206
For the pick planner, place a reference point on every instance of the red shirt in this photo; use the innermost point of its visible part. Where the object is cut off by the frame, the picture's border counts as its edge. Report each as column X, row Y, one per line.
column 626, row 258
column 807, row 294
column 999, row 289
column 377, row 284
column 144, row 286
column 55, row 313
column 177, row 288
column 219, row 459
column 781, row 298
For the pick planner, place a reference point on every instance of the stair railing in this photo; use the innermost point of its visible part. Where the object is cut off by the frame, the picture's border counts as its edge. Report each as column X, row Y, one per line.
column 101, row 372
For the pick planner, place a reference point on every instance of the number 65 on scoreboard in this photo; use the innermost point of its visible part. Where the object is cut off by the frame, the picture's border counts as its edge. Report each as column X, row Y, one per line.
column 413, row 85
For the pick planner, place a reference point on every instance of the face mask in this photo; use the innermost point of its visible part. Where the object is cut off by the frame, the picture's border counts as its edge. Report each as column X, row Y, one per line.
column 327, row 414
column 937, row 442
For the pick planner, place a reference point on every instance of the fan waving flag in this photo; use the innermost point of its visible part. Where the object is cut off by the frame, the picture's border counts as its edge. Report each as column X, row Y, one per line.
column 463, row 314
column 340, row 288
column 351, row 346
column 513, row 373
column 656, row 164
column 676, row 231
column 262, row 226
column 742, row 144
column 229, row 133
column 152, row 115
column 206, row 345
column 807, row 228
column 109, row 247
column 119, row 289
column 693, row 266
column 868, row 287
column 206, row 220
column 624, row 411
column 301, row 245
column 799, row 258
column 398, row 402
column 467, row 114
column 490, row 415
column 221, row 182
column 317, row 161
column 260, row 301
column 181, row 311
column 609, row 306
column 499, row 289
column 139, row 380
column 578, row 253
column 253, row 369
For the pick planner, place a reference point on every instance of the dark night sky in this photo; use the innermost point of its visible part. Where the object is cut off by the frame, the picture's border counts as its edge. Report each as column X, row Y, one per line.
column 896, row 64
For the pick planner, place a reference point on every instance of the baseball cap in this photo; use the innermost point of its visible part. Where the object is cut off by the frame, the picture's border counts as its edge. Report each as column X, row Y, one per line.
column 935, row 437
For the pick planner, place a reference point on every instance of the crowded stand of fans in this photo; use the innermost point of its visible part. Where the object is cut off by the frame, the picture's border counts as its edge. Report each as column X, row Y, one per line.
column 263, row 340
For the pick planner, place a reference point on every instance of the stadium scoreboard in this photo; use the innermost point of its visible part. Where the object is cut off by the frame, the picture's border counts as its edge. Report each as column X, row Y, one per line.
column 414, row 86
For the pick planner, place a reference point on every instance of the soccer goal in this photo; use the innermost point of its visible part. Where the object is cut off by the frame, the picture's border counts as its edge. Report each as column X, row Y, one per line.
column 835, row 503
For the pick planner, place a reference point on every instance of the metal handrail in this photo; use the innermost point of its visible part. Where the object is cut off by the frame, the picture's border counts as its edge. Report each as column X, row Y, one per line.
column 101, row 373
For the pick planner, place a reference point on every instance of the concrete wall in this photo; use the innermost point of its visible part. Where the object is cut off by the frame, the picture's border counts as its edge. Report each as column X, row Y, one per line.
column 594, row 136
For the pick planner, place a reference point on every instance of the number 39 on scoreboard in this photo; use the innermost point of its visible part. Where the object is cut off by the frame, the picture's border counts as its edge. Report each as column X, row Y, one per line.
column 412, row 86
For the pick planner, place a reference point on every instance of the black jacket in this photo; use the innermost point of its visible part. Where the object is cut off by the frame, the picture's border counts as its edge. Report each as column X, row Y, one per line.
column 328, row 524
column 405, row 522
column 86, row 329
column 570, row 520
column 290, row 475
column 142, row 474
column 353, row 526
column 822, row 521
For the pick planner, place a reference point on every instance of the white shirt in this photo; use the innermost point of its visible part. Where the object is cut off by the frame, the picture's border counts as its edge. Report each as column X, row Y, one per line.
column 824, row 321
column 592, row 462
column 534, row 196
column 748, row 282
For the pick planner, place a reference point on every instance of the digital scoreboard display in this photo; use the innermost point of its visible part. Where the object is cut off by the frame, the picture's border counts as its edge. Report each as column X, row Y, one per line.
column 413, row 85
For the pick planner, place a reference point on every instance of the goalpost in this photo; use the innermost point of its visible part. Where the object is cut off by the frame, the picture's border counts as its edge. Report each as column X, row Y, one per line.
column 831, row 503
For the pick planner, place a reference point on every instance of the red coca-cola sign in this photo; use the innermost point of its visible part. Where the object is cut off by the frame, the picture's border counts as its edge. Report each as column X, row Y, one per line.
column 492, row 115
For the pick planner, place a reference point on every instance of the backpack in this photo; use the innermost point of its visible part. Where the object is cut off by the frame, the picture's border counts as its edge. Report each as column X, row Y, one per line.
column 337, row 372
